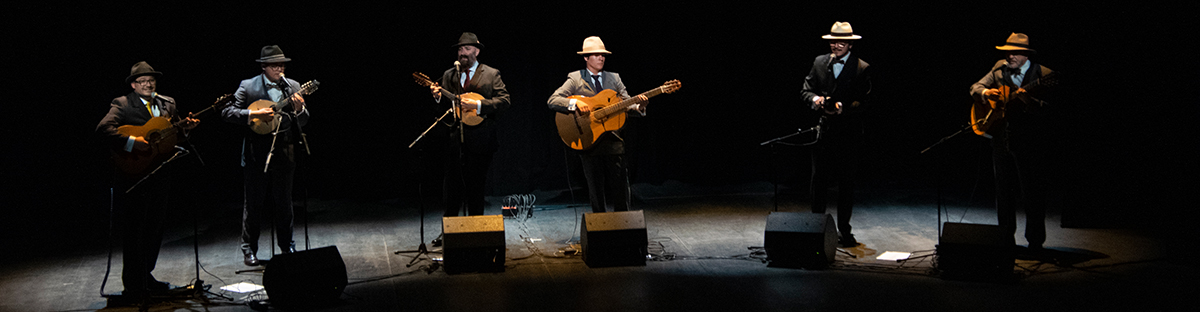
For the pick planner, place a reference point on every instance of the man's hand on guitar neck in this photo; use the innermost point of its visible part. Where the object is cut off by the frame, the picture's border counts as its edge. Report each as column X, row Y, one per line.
column 189, row 123
column 437, row 92
column 297, row 103
column 584, row 109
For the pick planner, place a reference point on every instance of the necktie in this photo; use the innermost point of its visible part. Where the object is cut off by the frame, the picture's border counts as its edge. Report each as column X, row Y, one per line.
column 468, row 80
column 596, row 82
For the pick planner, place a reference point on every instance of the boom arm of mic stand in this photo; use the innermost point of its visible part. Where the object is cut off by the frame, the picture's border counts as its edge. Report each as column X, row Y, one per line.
column 798, row 132
column 972, row 124
column 435, row 122
column 180, row 153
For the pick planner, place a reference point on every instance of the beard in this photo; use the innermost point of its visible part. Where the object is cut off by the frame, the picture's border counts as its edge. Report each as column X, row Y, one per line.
column 466, row 60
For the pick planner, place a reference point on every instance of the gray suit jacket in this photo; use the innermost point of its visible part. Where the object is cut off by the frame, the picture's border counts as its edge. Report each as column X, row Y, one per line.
column 238, row 112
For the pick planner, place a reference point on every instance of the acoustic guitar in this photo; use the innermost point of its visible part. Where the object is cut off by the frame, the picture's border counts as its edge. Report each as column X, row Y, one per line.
column 988, row 113
column 608, row 114
column 162, row 135
column 265, row 126
column 469, row 117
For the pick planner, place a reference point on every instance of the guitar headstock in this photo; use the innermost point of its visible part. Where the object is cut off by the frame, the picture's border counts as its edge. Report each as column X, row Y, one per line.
column 671, row 86
column 309, row 87
column 1049, row 80
column 422, row 79
column 223, row 101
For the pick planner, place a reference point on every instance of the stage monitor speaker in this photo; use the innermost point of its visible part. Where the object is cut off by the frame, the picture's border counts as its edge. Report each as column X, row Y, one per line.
column 613, row 238
column 305, row 278
column 975, row 251
column 473, row 244
column 800, row 239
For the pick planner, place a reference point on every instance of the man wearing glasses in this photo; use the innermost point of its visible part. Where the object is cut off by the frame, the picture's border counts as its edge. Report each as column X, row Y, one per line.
column 837, row 87
column 276, row 182
column 143, row 207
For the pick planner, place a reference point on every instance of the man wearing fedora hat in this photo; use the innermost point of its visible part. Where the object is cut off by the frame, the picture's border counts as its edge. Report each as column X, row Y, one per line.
column 142, row 208
column 466, row 169
column 604, row 165
column 1015, row 162
column 277, row 181
column 837, row 87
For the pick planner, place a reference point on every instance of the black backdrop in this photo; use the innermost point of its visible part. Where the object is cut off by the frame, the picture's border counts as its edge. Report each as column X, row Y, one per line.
column 1121, row 141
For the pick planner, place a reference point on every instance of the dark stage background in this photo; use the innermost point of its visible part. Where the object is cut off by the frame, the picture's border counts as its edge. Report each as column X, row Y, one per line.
column 1122, row 152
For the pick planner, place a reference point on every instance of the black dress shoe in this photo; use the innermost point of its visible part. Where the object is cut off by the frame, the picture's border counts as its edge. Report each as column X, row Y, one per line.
column 157, row 287
column 848, row 241
column 251, row 259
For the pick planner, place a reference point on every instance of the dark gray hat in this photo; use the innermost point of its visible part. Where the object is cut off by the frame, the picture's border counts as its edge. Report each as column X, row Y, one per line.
column 272, row 54
column 141, row 69
column 468, row 39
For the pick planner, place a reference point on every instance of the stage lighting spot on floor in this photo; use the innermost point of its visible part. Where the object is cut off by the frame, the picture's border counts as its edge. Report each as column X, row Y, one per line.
column 893, row 255
column 243, row 287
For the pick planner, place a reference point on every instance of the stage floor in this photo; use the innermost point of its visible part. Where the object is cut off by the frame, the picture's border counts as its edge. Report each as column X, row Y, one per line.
column 702, row 260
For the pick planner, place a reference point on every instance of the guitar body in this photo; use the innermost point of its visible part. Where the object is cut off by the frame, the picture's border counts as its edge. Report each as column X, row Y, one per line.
column 263, row 126
column 580, row 131
column 988, row 114
column 985, row 115
column 160, row 133
column 471, row 117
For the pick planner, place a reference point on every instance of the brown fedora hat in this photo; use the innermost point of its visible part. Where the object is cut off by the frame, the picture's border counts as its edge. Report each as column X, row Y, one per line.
column 141, row 69
column 272, row 54
column 1016, row 42
column 841, row 31
column 468, row 38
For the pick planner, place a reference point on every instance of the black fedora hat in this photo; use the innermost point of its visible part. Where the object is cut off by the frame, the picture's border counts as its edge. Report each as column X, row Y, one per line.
column 468, row 38
column 141, row 69
column 272, row 54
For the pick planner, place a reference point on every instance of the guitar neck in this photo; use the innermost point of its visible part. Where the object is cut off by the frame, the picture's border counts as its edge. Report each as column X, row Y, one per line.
column 626, row 103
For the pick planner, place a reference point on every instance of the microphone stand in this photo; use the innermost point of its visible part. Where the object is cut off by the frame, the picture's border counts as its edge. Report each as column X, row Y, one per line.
column 180, row 152
column 421, row 249
column 773, row 142
column 939, row 184
column 453, row 110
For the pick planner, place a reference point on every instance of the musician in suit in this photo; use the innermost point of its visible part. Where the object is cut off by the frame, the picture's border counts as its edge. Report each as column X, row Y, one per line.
column 604, row 165
column 471, row 155
column 275, row 184
column 837, row 87
column 143, row 208
column 1014, row 155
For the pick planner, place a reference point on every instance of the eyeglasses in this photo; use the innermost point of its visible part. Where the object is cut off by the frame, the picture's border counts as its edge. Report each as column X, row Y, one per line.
column 145, row 81
column 840, row 44
column 276, row 66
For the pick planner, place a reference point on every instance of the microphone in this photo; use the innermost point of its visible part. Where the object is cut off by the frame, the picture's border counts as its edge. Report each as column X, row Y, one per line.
column 457, row 66
column 160, row 97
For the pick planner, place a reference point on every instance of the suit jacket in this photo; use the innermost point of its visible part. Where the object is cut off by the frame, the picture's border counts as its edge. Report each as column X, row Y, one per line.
column 998, row 76
column 481, row 138
column 249, row 91
column 852, row 87
column 576, row 85
column 129, row 110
